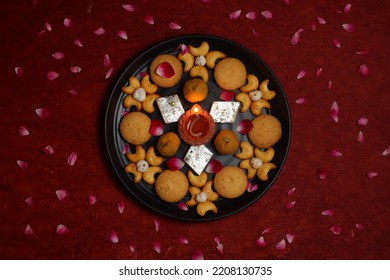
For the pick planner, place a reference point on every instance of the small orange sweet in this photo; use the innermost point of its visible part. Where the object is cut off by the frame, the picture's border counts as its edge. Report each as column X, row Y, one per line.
column 195, row 90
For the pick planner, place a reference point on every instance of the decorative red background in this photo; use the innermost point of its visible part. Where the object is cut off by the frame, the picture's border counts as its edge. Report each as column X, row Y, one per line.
column 342, row 216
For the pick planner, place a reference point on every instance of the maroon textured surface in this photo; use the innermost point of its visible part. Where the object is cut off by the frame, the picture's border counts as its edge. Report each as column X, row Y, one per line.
column 75, row 103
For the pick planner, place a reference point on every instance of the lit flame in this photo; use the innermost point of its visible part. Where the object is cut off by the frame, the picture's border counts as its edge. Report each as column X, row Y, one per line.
column 196, row 108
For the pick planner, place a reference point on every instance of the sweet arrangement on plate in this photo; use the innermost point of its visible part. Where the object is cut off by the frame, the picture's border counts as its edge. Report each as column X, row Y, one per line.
column 197, row 128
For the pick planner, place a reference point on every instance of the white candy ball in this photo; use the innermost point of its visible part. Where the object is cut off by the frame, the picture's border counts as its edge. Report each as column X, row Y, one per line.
column 142, row 165
column 139, row 94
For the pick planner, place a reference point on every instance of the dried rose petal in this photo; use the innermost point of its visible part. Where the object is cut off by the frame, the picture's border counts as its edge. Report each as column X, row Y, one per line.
column 182, row 206
column 220, row 249
column 165, row 70
column 23, row 165
column 112, row 236
column 328, row 212
column 348, row 27
column 336, row 43
column 43, row 113
column 18, row 71
column 61, row 229
column 23, row 131
column 78, row 43
column 131, row 246
column 67, row 22
column 321, row 20
column 72, row 158
column 386, row 152
column 92, row 199
column 251, row 187
column 183, row 240
column 335, row 153
column 362, row 52
column 214, row 166
column 29, row 201
column 183, row 49
column 251, row 15
column 156, row 127
column 58, row 55
column 226, row 95
column 106, row 60
column 28, row 230
column 235, row 15
column 301, row 74
column 62, row 194
column 121, row 206
column 99, row 31
column 281, row 245
column 359, row 226
column 174, row 26
column 290, row 204
column 267, row 14
column 330, row 85
column 52, row 75
column 72, row 92
column 149, row 20
column 290, row 237
column 175, row 163
column 313, row 26
column 255, row 33
column 290, row 192
column 300, row 100
column 266, row 230
column 128, row 7
column 48, row 150
column 319, row 72
column 157, row 247
column 122, row 34
column 362, row 121
column 334, row 110
column 335, row 229
column 347, row 8
column 321, row 173
column 75, row 69
column 296, row 37
column 244, row 126
column 360, row 138
column 197, row 255
column 260, row 242
column 363, row 70
column 156, row 225
column 371, row 174
column 109, row 73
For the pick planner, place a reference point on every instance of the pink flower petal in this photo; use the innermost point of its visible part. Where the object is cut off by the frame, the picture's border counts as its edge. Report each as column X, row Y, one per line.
column 175, row 163
column 255, row 33
column 319, row 72
column 335, row 153
column 28, row 230
column 43, row 113
column 251, row 15
column 363, row 70
column 99, row 31
column 362, row 52
column 128, row 7
column 182, row 206
column 244, row 126
column 131, row 246
column 75, row 69
column 121, row 206
column 62, row 194
column 72, row 92
column 29, row 201
column 359, row 226
column 126, row 149
column 165, row 70
column 61, row 229
column 174, row 26
column 48, row 27
column 296, row 37
column 58, row 55
column 371, row 174
column 23, row 165
column 226, row 95
column 106, row 60
column 281, row 245
column 313, row 26
column 290, row 192
column 260, row 242
column 92, row 199
column 360, row 138
column 78, row 43
column 156, row 127
column 266, row 14
column 347, row 8
column 156, row 225
column 251, row 187
column 287, row 2
column 149, row 20
column 328, row 212
column 214, row 166
column 235, row 15
column 72, row 157
column 109, row 73
column 67, row 22
column 23, row 131
column 183, row 49
column 301, row 74
column 335, row 229
column 300, row 100
column 220, row 249
column 362, row 121
column 18, row 71
column 52, row 75
column 290, row 237
column 112, row 236
column 386, row 152
column 321, row 173
column 48, row 150
column 183, row 240
column 330, row 85
column 321, row 20
column 122, row 34
column 197, row 255
column 348, row 27
column 336, row 43
column 157, row 247
column 290, row 204
column 334, row 111
column 216, row 240
column 266, row 230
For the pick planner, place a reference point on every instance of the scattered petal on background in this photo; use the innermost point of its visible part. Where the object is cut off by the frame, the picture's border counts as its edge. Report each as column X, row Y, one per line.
column 260, row 242
column 386, row 152
column 99, row 31
column 197, row 255
column 291, row 192
column 149, row 20
column 156, row 225
column 131, row 246
column 183, row 49
column 226, row 95
column 235, row 14
column 363, row 70
column 371, row 174
column 300, row 100
column 128, row 7
column 266, row 14
column 328, row 212
column 287, row 2
column 43, row 113
column 362, row 52
column 290, row 237
column 52, row 75
column 347, row 8
column 182, row 206
column 23, row 131
column 28, row 230
column 175, row 163
column 72, row 158
column 61, row 229
column 296, row 37
column 281, row 245
column 360, row 138
column 301, row 74
column 362, row 121
column 121, row 206
column 174, row 26
column 72, row 92
column 244, row 126
column 48, row 150
column 165, row 70
column 214, row 166
column 157, row 247
column 78, row 43
column 290, row 204
column 359, row 226
column 92, row 199
column 18, row 71
column 62, row 194
column 58, row 55
column 29, row 201
column 106, row 60
column 67, row 22
column 251, row 15
column 109, row 73
column 336, row 43
column 335, row 229
column 251, row 187
column 330, row 85
column 112, row 236
column 334, row 111
column 335, row 153
column 321, row 20
column 23, row 165
column 75, row 69
column 122, row 34
column 313, row 26
column 348, row 27
column 321, row 173
column 183, row 240
column 266, row 230
column 255, row 33
column 156, row 127
column 220, row 249
column 319, row 72
column 48, row 27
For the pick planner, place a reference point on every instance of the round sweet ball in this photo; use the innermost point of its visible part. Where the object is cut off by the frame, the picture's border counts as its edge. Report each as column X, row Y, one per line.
column 195, row 90
column 134, row 128
column 230, row 182
column 168, row 144
column 171, row 186
column 266, row 131
column 166, row 70
column 230, row 73
column 226, row 142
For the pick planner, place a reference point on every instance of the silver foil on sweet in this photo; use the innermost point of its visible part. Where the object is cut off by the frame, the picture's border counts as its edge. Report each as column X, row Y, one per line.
column 224, row 111
column 198, row 157
column 170, row 107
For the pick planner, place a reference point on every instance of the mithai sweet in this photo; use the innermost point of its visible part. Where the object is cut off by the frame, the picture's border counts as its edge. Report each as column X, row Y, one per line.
column 170, row 107
column 134, row 128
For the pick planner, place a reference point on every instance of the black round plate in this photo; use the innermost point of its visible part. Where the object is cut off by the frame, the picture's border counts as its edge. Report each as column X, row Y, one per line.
column 115, row 144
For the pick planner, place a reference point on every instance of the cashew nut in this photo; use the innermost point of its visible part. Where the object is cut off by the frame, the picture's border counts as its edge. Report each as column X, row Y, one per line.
column 193, row 192
column 246, row 151
column 245, row 100
column 265, row 156
column 188, row 60
column 147, row 84
column 211, row 195
column 148, row 104
column 148, row 175
column 246, row 164
column 197, row 180
column 203, row 49
column 152, row 158
column 129, row 101
column 212, row 57
column 199, row 71
column 203, row 207
column 133, row 84
column 262, row 172
column 137, row 155
column 267, row 94
column 252, row 83
column 257, row 106
column 132, row 168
